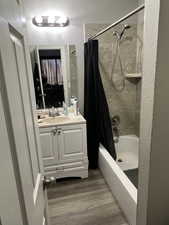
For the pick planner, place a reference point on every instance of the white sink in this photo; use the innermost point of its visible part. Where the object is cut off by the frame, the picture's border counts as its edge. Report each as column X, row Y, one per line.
column 57, row 119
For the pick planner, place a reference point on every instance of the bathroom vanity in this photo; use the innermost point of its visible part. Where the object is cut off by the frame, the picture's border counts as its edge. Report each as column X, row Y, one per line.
column 64, row 148
column 63, row 138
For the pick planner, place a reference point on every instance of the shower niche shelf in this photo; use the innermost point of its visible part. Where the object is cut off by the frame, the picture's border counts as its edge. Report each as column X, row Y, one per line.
column 133, row 75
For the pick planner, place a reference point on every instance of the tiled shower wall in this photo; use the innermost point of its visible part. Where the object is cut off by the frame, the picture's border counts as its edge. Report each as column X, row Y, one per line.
column 125, row 103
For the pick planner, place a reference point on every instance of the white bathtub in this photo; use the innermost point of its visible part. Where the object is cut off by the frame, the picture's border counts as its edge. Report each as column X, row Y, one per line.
column 122, row 188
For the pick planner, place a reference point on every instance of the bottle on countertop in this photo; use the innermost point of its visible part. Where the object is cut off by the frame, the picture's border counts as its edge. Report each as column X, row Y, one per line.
column 65, row 109
column 74, row 104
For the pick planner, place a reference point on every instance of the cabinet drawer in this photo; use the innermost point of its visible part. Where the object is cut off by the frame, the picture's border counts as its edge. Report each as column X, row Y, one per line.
column 78, row 169
column 64, row 166
column 46, row 129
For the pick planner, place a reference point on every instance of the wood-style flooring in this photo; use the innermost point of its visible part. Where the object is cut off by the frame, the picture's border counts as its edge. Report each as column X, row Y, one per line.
column 83, row 202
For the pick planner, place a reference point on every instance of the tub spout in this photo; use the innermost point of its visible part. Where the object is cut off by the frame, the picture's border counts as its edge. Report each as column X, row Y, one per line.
column 115, row 127
column 116, row 134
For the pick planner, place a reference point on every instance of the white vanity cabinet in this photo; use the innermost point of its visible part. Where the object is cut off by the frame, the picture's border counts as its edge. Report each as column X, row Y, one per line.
column 64, row 150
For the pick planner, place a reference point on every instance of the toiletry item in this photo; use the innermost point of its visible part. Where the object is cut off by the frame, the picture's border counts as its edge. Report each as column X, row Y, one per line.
column 72, row 100
column 65, row 109
column 76, row 108
column 71, row 107
column 74, row 103
column 52, row 112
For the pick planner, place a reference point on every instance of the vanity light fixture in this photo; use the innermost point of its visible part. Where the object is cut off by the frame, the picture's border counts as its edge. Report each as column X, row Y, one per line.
column 50, row 21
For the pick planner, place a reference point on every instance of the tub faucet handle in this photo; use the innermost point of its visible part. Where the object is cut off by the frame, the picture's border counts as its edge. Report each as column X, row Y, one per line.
column 115, row 121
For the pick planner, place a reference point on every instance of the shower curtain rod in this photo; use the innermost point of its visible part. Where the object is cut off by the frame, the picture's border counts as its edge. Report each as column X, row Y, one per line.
column 117, row 22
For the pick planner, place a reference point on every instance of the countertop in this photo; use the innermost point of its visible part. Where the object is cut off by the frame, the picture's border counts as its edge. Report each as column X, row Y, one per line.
column 61, row 120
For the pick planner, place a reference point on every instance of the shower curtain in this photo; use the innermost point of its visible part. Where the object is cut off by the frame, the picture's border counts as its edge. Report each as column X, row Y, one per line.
column 96, row 112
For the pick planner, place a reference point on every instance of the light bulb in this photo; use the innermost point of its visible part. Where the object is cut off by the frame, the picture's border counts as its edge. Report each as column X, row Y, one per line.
column 38, row 19
column 23, row 20
column 62, row 20
column 51, row 19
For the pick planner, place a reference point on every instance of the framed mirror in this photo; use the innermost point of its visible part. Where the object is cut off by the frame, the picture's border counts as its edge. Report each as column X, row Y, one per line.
column 55, row 75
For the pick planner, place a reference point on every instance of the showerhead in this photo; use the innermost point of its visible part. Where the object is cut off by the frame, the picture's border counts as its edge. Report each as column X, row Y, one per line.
column 126, row 27
column 120, row 35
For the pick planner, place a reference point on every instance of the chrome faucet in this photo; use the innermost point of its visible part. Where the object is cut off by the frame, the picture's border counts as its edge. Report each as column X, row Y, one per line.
column 53, row 112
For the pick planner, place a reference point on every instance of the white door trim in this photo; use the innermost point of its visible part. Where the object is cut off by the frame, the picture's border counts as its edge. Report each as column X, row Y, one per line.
column 37, row 187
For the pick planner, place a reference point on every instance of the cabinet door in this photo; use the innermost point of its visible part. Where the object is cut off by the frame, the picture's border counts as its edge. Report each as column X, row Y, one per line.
column 71, row 143
column 49, row 146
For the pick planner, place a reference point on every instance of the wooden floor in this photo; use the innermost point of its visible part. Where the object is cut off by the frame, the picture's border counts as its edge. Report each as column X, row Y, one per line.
column 83, row 202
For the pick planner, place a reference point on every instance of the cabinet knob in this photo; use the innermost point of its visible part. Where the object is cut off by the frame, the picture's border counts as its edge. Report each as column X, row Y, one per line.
column 47, row 181
column 54, row 131
column 59, row 132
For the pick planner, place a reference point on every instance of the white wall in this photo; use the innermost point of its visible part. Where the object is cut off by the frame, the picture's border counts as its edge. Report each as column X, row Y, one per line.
column 140, row 2
column 79, row 12
column 11, row 11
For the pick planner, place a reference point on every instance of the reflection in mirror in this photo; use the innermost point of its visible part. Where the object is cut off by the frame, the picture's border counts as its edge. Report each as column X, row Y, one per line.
column 55, row 75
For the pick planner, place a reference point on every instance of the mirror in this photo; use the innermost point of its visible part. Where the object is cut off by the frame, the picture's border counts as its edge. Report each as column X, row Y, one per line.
column 55, row 75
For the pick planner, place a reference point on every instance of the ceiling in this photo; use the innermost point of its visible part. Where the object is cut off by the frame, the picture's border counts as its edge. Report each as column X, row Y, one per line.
column 81, row 11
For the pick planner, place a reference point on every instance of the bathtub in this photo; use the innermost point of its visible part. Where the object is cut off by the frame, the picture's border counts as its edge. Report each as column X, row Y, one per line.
column 122, row 188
